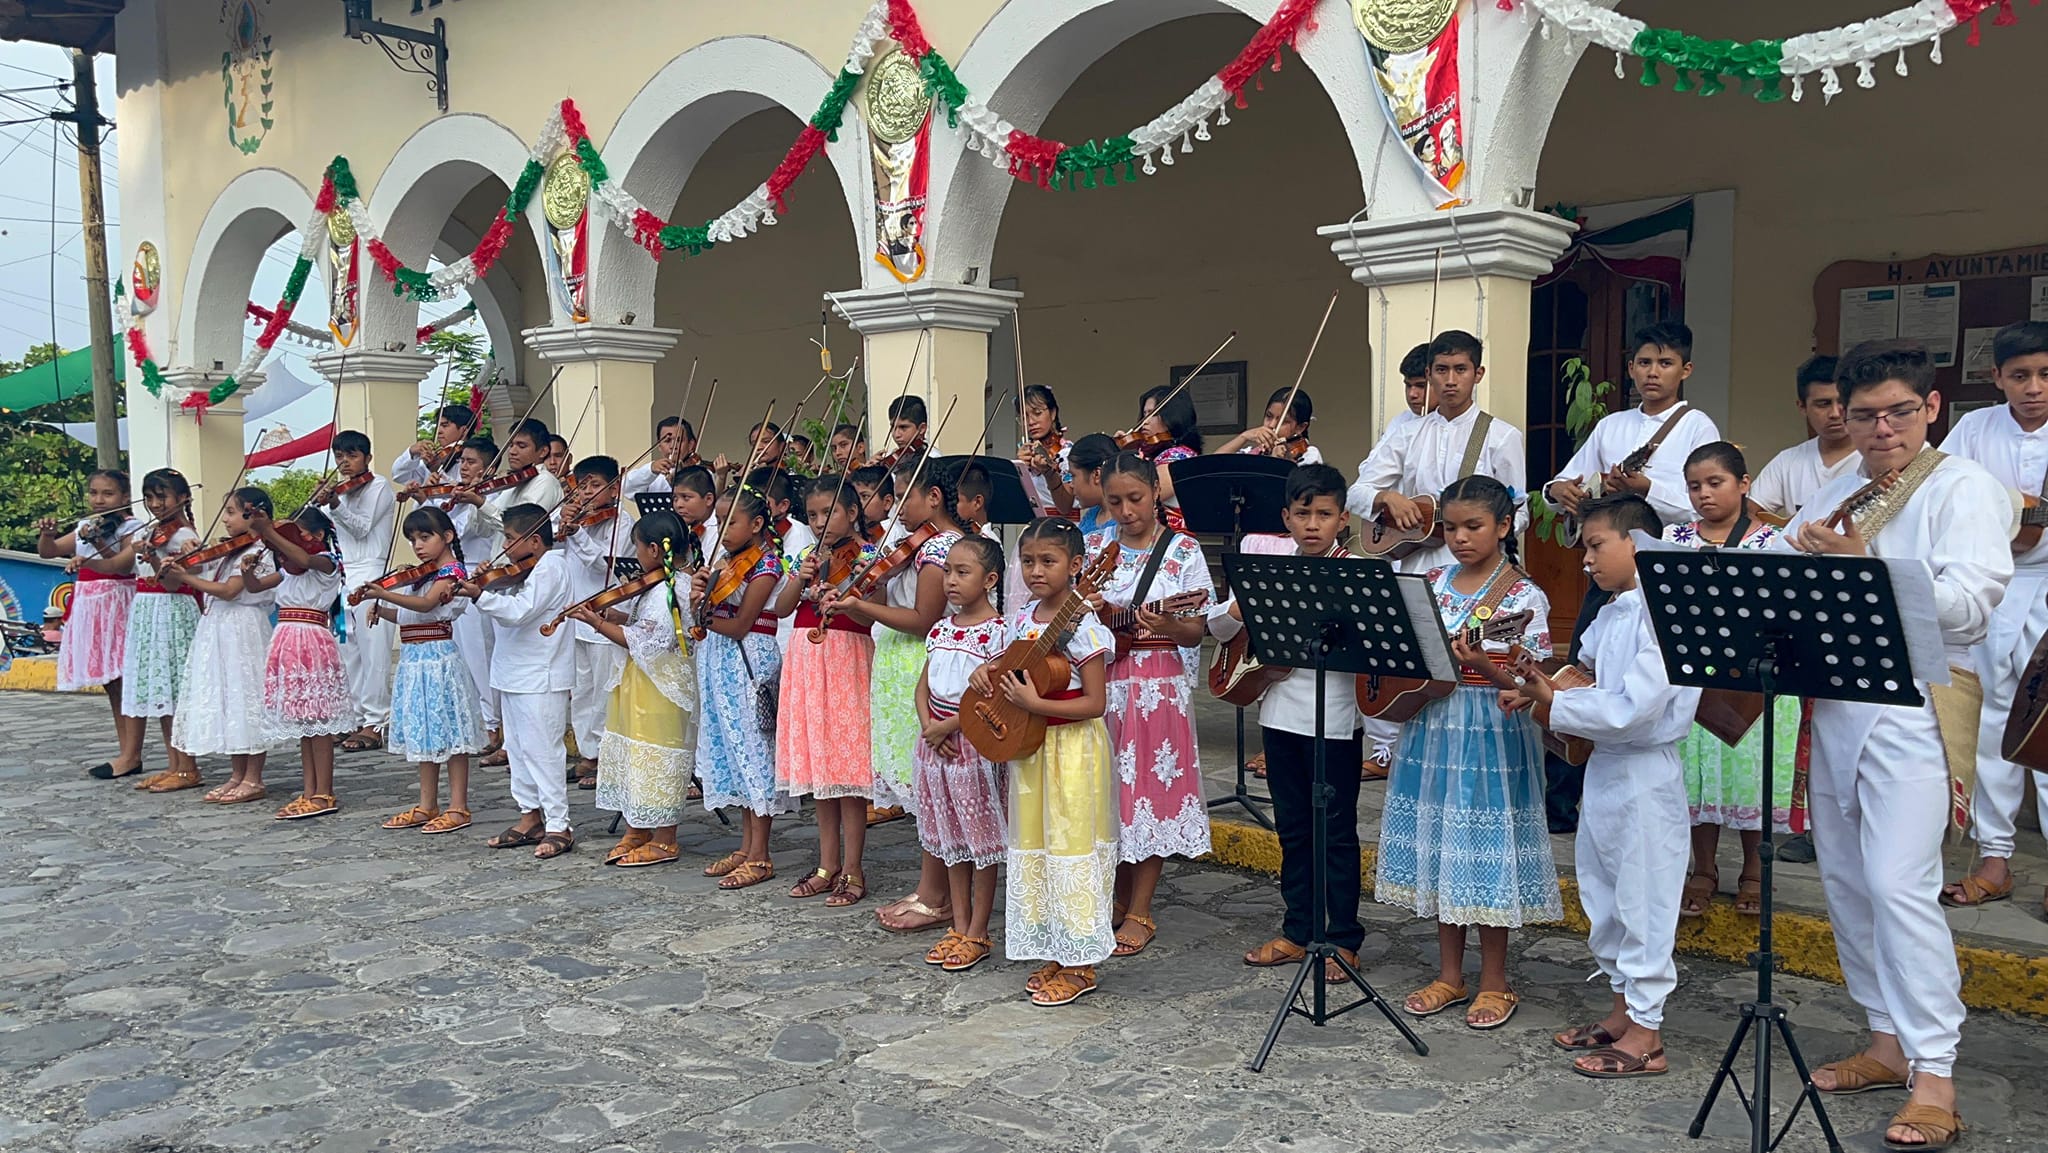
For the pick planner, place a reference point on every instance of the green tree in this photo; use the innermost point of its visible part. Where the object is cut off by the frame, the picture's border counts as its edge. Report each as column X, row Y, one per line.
column 289, row 489
column 462, row 355
column 42, row 471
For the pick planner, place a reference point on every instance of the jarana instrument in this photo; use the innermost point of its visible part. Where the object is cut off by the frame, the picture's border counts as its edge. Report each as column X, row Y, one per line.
column 1560, row 674
column 1401, row 698
column 1381, row 539
column 999, row 728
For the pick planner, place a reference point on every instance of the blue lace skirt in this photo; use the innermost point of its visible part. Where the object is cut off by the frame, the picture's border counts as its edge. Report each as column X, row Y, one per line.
column 1463, row 837
column 434, row 712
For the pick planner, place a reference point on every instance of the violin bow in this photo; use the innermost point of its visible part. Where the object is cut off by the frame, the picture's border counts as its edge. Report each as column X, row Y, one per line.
column 840, row 489
column 1184, row 381
column 896, row 514
column 492, row 468
column 333, row 430
column 1300, row 376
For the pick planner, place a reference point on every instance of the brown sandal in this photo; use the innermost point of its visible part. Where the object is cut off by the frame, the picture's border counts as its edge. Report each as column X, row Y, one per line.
column 929, row 917
column 243, row 793
column 1862, row 1073
column 1278, row 951
column 851, row 890
column 1256, row 765
column 1699, row 893
column 1131, row 946
column 412, row 818
column 514, row 837
column 554, row 844
column 308, row 805
column 651, row 853
column 937, row 954
column 1612, row 1064
column 633, row 839
column 1434, row 998
column 821, row 880
column 749, row 874
column 1749, row 896
column 1069, row 984
column 1502, row 1004
column 1584, row 1038
column 172, row 781
column 450, row 821
column 1040, row 976
column 1938, row 1127
column 726, row 864
column 1333, row 973
column 1974, row 890
column 967, row 953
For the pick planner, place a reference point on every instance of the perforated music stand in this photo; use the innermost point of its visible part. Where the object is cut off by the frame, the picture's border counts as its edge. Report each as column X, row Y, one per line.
column 1346, row 616
column 1792, row 624
column 653, row 502
column 1232, row 494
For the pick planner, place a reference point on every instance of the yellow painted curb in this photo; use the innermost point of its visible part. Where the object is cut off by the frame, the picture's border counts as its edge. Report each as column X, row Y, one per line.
column 34, row 675
column 1993, row 979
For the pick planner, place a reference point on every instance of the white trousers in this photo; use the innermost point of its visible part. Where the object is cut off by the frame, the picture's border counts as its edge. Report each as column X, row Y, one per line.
column 2017, row 626
column 473, row 640
column 1877, row 828
column 534, row 723
column 1631, row 863
column 366, row 658
column 596, row 664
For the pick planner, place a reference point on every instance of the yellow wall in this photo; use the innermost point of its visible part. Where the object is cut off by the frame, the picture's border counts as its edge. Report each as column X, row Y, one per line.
column 1933, row 162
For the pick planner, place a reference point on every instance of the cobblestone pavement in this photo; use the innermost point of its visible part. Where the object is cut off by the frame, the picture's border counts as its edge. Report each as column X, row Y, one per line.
column 177, row 976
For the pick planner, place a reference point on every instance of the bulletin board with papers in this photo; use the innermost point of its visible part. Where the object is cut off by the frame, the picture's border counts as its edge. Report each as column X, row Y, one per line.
column 1950, row 303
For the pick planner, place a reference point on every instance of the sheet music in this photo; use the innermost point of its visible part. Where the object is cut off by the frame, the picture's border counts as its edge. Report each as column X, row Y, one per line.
column 1428, row 624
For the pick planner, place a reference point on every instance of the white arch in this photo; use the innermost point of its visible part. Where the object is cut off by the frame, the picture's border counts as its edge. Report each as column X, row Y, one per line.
column 247, row 217
column 1031, row 51
column 498, row 303
column 428, row 176
column 679, row 113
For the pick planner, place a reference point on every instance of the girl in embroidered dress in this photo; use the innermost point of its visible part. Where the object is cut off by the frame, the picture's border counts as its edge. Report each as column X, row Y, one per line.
column 822, row 737
column 911, row 600
column 305, row 686
column 1150, row 693
column 220, row 706
column 960, row 797
column 643, row 761
column 735, row 659
column 1061, row 846
column 1463, row 837
column 1723, row 785
column 435, row 718
column 161, row 620
column 1177, row 420
column 96, row 622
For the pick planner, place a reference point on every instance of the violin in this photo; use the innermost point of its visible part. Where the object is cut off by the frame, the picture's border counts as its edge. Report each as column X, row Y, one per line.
column 100, row 531
column 485, row 487
column 221, row 548
column 617, row 594
column 839, row 567
column 863, row 586
column 888, row 460
column 301, row 539
column 395, row 578
column 331, row 488
column 504, row 573
column 721, row 588
column 1138, row 440
column 1042, row 455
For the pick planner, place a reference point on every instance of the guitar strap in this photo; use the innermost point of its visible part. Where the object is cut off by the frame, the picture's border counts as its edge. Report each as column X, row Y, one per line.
column 1475, row 444
column 1504, row 578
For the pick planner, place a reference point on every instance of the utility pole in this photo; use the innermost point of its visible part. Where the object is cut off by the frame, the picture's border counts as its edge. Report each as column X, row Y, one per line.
column 85, row 117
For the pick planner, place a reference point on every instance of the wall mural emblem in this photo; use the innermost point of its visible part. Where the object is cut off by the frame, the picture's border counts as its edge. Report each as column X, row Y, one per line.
column 246, row 77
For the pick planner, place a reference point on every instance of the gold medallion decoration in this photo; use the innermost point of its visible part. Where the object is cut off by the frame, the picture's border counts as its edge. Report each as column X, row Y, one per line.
column 1397, row 26
column 566, row 191
column 145, row 278
column 341, row 230
column 897, row 100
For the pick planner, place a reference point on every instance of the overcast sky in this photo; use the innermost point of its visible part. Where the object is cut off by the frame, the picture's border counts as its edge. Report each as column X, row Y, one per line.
column 29, row 309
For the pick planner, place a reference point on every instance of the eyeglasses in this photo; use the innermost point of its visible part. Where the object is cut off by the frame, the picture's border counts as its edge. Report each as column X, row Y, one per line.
column 1895, row 416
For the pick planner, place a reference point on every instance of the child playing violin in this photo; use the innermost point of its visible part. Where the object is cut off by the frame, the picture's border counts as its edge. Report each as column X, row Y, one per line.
column 220, row 708
column 906, row 431
column 362, row 505
column 821, row 732
column 96, row 622
column 849, row 448
column 696, row 503
column 1284, row 432
column 960, row 799
column 305, row 687
column 472, row 631
column 161, row 620
column 737, row 660
column 533, row 673
column 877, row 497
column 434, row 717
column 594, row 531
column 1044, row 452
column 644, row 762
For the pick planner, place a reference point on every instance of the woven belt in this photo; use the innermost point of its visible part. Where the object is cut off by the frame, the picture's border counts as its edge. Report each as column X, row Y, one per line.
column 148, row 585
column 302, row 617
column 1153, row 643
column 427, row 633
column 1469, row 677
column 807, row 617
column 87, row 576
column 763, row 624
column 1063, row 695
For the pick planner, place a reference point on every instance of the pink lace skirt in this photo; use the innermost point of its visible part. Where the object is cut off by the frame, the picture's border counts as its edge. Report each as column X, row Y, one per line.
column 95, row 635
column 821, row 725
column 1152, row 746
column 961, row 805
column 305, row 689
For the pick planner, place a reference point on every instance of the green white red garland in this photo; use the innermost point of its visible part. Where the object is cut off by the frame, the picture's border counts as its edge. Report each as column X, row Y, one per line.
column 1763, row 66
column 310, row 335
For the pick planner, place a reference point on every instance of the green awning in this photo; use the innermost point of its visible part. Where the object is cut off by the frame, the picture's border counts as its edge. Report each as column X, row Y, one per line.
column 61, row 379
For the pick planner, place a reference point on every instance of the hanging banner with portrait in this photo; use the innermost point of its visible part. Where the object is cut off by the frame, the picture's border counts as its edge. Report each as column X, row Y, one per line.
column 900, row 138
column 1413, row 47
column 565, row 202
column 344, row 286
column 145, row 280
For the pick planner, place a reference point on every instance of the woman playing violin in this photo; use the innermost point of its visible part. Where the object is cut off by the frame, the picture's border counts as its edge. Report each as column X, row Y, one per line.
column 1165, row 435
column 1284, row 432
column 1043, row 454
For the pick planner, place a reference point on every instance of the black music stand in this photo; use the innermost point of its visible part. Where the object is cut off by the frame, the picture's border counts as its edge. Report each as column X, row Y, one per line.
column 1790, row 624
column 1346, row 616
column 652, row 502
column 1232, row 494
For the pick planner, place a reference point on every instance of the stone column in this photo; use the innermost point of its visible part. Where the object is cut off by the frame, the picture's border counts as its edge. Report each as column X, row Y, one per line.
column 615, row 360
column 954, row 363
column 1469, row 268
column 208, row 449
column 380, row 397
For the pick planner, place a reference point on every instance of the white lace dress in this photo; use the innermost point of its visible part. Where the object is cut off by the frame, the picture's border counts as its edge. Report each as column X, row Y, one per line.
column 220, row 704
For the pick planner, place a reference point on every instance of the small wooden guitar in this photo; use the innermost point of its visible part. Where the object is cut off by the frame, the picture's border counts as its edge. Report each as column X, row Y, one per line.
column 1124, row 621
column 996, row 726
column 2033, row 518
column 1561, row 675
column 1398, row 699
column 1381, row 539
column 2026, row 727
column 1236, row 677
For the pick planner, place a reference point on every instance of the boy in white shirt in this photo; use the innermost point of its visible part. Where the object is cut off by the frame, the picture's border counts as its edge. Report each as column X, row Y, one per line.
column 1793, row 476
column 1414, row 388
column 364, row 517
column 417, row 465
column 533, row 674
column 472, row 631
column 1630, row 851
column 677, row 448
column 528, row 447
column 592, row 552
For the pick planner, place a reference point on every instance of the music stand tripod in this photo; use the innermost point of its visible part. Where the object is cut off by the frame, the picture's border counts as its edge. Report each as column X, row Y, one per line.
column 1779, row 624
column 1345, row 616
column 1234, row 494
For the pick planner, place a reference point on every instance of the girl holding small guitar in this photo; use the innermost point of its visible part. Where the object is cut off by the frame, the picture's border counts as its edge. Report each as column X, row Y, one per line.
column 1151, row 682
column 1463, row 837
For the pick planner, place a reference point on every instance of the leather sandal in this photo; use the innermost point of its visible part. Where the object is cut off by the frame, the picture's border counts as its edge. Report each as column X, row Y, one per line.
column 1067, row 985
column 726, row 864
column 821, row 880
column 1333, row 973
column 749, row 874
column 242, row 794
column 1502, row 1004
column 554, row 844
column 1278, row 951
column 450, row 820
column 1040, row 975
column 937, row 954
column 913, row 906
column 514, row 837
column 1699, row 893
column 633, row 839
column 1974, row 890
column 1129, row 944
column 412, row 818
column 1584, row 1038
column 1862, row 1073
column 1256, row 765
column 851, row 889
column 1938, row 1127
column 1612, row 1064
column 651, row 853
column 173, row 781
column 1749, row 896
column 967, row 953
column 307, row 805
column 1434, row 998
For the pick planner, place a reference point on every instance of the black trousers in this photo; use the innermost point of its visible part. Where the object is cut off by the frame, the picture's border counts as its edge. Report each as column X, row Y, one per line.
column 1290, row 778
column 1566, row 782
